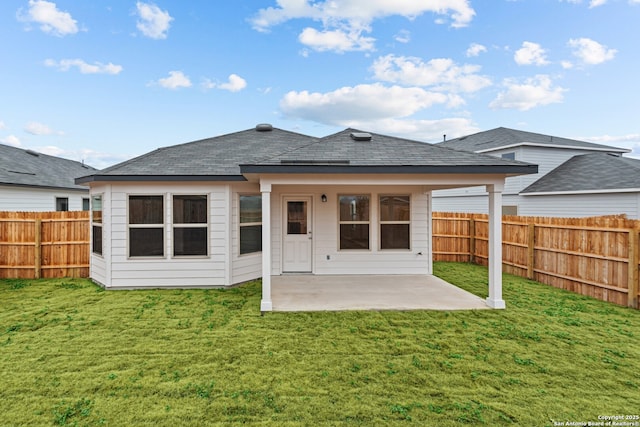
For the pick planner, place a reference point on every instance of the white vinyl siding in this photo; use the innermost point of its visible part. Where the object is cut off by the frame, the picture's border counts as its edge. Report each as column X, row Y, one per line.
column 171, row 271
column 30, row 199
column 326, row 232
column 568, row 205
column 247, row 266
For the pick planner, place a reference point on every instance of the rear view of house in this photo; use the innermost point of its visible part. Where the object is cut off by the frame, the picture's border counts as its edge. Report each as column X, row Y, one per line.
column 32, row 181
column 266, row 201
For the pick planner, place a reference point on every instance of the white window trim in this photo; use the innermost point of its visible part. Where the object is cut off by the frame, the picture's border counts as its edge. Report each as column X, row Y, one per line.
column 97, row 224
column 381, row 222
column 340, row 222
column 164, row 227
column 174, row 225
column 247, row 224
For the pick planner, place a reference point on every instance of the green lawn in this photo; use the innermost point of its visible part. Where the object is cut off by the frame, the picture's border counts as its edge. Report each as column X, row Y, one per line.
column 73, row 354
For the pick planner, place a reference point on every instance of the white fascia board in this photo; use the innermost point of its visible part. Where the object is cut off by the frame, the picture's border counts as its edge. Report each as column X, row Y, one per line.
column 561, row 193
column 567, row 147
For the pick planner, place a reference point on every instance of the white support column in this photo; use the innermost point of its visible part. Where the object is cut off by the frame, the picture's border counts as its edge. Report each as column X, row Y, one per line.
column 495, row 246
column 265, row 303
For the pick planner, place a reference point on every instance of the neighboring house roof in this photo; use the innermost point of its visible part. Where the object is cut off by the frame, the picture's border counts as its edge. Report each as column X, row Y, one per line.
column 228, row 157
column 595, row 172
column 33, row 169
column 504, row 138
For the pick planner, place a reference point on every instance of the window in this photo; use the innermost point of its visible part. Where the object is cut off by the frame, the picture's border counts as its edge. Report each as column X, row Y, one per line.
column 508, row 156
column 96, row 224
column 190, row 225
column 510, row 210
column 62, row 204
column 146, row 226
column 354, row 222
column 395, row 222
column 85, row 204
column 250, row 224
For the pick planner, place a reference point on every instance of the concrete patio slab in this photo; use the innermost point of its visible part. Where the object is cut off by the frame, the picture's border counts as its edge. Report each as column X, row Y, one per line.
column 364, row 292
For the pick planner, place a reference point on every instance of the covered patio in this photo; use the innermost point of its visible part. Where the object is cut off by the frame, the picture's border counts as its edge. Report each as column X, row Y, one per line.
column 306, row 292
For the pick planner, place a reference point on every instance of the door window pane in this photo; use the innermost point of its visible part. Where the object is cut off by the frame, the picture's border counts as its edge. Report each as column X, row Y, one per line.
column 296, row 217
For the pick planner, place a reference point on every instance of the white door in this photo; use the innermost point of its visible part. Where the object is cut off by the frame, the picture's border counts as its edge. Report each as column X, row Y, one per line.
column 297, row 241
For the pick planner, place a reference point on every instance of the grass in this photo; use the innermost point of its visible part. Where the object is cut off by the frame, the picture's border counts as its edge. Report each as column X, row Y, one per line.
column 73, row 354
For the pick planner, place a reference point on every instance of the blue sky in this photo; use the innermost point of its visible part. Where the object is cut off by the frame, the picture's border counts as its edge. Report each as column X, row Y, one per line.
column 105, row 80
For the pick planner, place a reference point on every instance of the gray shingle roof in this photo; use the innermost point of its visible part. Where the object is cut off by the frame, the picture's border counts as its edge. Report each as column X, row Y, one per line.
column 29, row 168
column 590, row 172
column 227, row 157
column 504, row 137
column 382, row 150
column 217, row 156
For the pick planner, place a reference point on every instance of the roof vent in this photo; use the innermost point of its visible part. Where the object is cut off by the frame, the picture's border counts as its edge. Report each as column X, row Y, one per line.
column 33, row 153
column 360, row 136
column 264, row 127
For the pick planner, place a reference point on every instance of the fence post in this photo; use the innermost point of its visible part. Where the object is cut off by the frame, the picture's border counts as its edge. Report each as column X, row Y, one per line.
column 38, row 249
column 472, row 240
column 632, row 276
column 531, row 247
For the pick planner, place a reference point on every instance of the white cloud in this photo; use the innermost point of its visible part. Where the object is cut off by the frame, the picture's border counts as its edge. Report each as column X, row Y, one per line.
column 51, row 20
column 234, row 84
column 176, row 80
column 344, row 21
column 404, row 36
column 153, row 22
column 96, row 159
column 534, row 92
column 441, row 73
column 475, row 49
column 35, row 128
column 591, row 52
column 336, row 40
column 2, row 125
column 596, row 3
column 362, row 102
column 84, row 67
column 12, row 140
column 363, row 11
column 531, row 54
column 421, row 130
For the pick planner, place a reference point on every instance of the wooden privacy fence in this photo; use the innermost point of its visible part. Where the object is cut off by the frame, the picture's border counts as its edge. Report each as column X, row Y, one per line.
column 597, row 257
column 44, row 244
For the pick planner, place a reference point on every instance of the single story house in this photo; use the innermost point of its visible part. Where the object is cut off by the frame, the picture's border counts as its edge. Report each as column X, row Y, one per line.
column 32, row 181
column 603, row 182
column 266, row 201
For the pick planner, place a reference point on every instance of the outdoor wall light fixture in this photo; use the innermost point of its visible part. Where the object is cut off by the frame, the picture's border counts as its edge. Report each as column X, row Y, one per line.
column 323, row 198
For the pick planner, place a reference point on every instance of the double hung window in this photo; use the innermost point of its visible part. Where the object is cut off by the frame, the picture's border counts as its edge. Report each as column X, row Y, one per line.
column 96, row 224
column 250, row 224
column 395, row 222
column 354, row 221
column 146, row 226
column 190, row 226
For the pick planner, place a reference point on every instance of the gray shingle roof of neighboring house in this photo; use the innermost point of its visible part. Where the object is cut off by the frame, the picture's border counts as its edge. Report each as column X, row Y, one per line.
column 32, row 169
column 501, row 137
column 590, row 172
column 228, row 157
